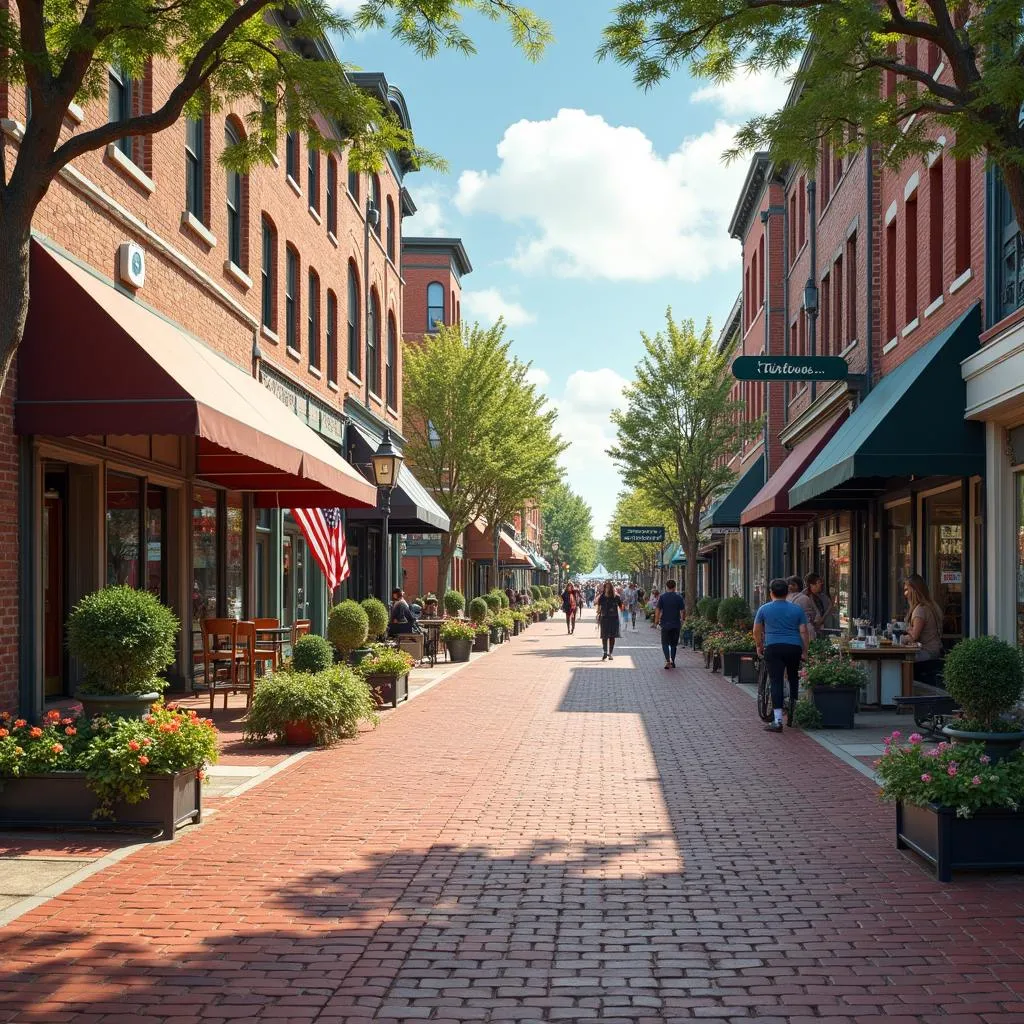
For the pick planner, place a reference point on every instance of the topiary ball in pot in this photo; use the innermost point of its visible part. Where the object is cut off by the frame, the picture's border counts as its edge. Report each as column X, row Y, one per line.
column 312, row 653
column 985, row 676
column 347, row 627
column 503, row 597
column 535, row 591
column 454, row 603
column 478, row 609
column 733, row 610
column 377, row 614
column 493, row 600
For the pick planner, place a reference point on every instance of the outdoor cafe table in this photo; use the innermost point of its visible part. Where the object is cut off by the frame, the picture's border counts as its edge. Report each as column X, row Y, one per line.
column 274, row 636
column 890, row 672
column 432, row 640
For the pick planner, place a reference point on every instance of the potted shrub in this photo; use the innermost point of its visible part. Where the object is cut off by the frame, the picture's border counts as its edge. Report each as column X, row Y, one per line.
column 132, row 772
column 386, row 672
column 535, row 592
column 377, row 616
column 955, row 806
column 454, row 604
column 123, row 638
column 734, row 613
column 984, row 676
column 699, row 627
column 312, row 653
column 347, row 629
column 506, row 623
column 834, row 683
column 458, row 637
column 301, row 708
column 493, row 599
column 712, row 648
column 518, row 622
column 478, row 616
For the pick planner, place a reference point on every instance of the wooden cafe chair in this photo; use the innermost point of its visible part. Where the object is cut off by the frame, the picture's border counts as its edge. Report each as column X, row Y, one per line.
column 268, row 652
column 221, row 657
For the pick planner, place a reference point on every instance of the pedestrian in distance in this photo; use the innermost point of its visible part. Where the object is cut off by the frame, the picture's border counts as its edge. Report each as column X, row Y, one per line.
column 669, row 613
column 637, row 605
column 569, row 607
column 609, row 607
column 781, row 638
column 807, row 599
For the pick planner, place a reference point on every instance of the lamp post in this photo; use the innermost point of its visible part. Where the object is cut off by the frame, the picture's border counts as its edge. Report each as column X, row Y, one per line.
column 558, row 567
column 387, row 461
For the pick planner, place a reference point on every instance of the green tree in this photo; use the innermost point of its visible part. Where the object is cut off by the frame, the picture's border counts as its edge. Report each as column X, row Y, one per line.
column 678, row 427
column 868, row 76
column 567, row 518
column 268, row 60
column 635, row 508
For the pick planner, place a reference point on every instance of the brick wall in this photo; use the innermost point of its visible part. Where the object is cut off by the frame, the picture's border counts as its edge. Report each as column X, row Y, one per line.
column 9, row 568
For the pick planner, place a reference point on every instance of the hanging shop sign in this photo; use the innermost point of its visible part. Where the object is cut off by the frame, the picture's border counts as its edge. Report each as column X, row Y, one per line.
column 642, row 534
column 790, row 368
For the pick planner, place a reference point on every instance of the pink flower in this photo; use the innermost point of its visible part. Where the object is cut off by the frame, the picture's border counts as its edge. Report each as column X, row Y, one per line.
column 896, row 734
column 916, row 737
column 926, row 777
column 951, row 770
column 143, row 760
column 985, row 759
column 57, row 748
column 133, row 744
column 976, row 781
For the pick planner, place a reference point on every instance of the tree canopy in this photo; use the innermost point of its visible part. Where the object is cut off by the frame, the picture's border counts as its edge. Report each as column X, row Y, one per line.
column 568, row 519
column 635, row 508
column 878, row 73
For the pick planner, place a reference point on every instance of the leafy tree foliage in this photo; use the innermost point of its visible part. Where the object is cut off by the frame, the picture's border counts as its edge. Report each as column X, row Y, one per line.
column 635, row 508
column 868, row 77
column 679, row 427
column 567, row 519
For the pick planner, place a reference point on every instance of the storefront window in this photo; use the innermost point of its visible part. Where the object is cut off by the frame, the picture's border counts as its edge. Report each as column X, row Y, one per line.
column 156, row 547
column 734, row 565
column 1019, row 488
column 805, row 550
column 235, row 562
column 204, row 555
column 900, row 556
column 123, row 501
column 262, row 562
column 758, row 566
column 837, row 584
column 944, row 557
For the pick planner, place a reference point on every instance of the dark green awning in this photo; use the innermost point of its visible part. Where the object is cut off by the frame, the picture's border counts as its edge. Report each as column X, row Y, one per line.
column 911, row 424
column 727, row 510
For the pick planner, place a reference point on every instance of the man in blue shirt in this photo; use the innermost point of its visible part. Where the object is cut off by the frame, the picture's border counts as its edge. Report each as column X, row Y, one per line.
column 780, row 633
column 669, row 613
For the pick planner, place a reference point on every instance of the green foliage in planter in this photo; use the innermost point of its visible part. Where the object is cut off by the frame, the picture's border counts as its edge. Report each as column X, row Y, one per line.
column 385, row 661
column 806, row 715
column 505, row 620
column 493, row 599
column 123, row 637
column 985, row 676
column 707, row 608
column 519, row 616
column 732, row 611
column 312, row 653
column 478, row 609
column 456, row 629
column 837, row 670
column 334, row 703
column 454, row 602
column 821, row 648
column 535, row 591
column 503, row 598
column 377, row 617
column 735, row 640
column 347, row 627
column 700, row 625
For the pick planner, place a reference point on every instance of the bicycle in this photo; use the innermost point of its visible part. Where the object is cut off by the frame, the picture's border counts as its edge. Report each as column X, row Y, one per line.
column 765, row 709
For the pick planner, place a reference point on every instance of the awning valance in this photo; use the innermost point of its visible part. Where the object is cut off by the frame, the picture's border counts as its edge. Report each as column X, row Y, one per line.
column 413, row 510
column 95, row 361
column 911, row 424
column 480, row 547
column 770, row 506
column 726, row 510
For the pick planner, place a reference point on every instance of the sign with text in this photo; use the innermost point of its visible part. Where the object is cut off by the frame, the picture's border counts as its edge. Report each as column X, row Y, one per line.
column 790, row 368
column 642, row 534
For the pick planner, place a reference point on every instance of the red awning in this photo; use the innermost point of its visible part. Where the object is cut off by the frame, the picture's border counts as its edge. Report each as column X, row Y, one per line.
column 95, row 361
column 479, row 545
column 770, row 506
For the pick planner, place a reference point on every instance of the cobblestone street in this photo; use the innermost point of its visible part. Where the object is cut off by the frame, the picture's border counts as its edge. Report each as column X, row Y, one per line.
column 540, row 837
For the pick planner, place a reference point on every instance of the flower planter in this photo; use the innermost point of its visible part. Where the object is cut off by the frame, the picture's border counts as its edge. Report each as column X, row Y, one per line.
column 517, row 628
column 732, row 662
column 356, row 656
column 458, row 648
column 698, row 642
column 64, row 800
column 543, row 616
column 299, row 734
column 687, row 638
column 748, row 670
column 117, row 705
column 389, row 690
column 836, row 705
column 991, row 839
column 997, row 744
column 482, row 643
column 497, row 635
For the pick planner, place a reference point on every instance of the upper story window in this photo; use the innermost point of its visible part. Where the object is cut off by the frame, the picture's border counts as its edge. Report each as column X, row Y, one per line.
column 353, row 184
column 332, row 337
column 375, row 200
column 291, row 298
column 373, row 344
column 195, row 168
column 1007, row 259
column 390, row 226
column 234, row 203
column 353, row 321
column 332, row 195
column 268, row 274
column 313, row 178
column 313, row 319
column 120, row 103
column 291, row 156
column 435, row 305
column 391, row 365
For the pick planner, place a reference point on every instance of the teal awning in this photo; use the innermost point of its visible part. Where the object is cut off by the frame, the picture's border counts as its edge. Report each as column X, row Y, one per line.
column 668, row 556
column 678, row 556
column 727, row 510
column 911, row 424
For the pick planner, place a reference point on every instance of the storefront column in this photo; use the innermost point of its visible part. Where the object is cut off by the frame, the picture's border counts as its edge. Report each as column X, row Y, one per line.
column 30, row 640
column 1002, row 554
column 276, row 574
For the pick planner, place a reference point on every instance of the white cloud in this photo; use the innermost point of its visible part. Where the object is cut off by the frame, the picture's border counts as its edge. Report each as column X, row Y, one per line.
column 539, row 378
column 597, row 201
column 747, row 95
column 347, row 7
column 429, row 219
column 488, row 304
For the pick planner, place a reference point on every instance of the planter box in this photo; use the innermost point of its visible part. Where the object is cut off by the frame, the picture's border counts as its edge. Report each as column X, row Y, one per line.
column 482, row 643
column 543, row 616
column 497, row 635
column 733, row 662
column 992, row 839
column 698, row 642
column 836, row 704
column 62, row 799
column 389, row 690
column 748, row 669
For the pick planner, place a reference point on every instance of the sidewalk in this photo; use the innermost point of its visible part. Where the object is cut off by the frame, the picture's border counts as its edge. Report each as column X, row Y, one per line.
column 544, row 837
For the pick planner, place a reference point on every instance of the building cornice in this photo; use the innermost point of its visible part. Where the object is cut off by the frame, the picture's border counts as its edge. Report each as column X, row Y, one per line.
column 750, row 195
column 450, row 247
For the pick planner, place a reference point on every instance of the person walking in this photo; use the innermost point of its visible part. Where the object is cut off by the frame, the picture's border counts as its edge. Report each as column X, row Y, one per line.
column 609, row 605
column 637, row 605
column 652, row 604
column 569, row 607
column 669, row 613
column 781, row 638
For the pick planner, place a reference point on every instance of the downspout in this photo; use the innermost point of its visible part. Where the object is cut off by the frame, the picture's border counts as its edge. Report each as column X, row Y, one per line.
column 775, row 550
column 870, row 291
column 366, row 301
column 785, row 299
column 812, row 275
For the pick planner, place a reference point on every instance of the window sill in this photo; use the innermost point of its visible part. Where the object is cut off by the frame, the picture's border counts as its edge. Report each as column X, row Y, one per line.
column 293, row 352
column 376, row 398
column 315, row 372
column 935, row 305
column 394, row 412
column 332, row 238
column 849, row 348
column 75, row 114
column 130, row 168
column 890, row 345
column 911, row 327
column 293, row 184
column 13, row 129
column 274, row 160
column 192, row 223
column 315, row 215
column 355, row 380
column 234, row 271
column 271, row 336
column 961, row 281
column 333, row 385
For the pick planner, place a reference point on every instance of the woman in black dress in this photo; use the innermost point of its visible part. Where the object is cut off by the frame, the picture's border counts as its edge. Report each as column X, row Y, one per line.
column 609, row 608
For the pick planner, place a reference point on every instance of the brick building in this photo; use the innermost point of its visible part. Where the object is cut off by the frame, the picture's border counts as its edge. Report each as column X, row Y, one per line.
column 199, row 349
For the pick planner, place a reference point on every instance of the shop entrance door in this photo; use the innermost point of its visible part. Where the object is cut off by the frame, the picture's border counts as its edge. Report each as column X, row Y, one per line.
column 295, row 587
column 54, row 584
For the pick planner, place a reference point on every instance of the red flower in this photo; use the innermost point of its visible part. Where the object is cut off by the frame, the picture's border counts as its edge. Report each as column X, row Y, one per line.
column 53, row 716
column 70, row 731
column 35, row 732
column 133, row 744
column 143, row 760
column 67, row 721
column 57, row 748
column 3, row 733
column 19, row 723
column 147, row 742
column 5, row 715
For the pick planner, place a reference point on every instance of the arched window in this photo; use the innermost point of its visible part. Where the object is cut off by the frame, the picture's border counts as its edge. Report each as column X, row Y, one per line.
column 353, row 321
column 332, row 337
column 373, row 344
column 435, row 305
column 391, row 385
column 353, row 183
column 375, row 199
column 235, row 200
column 195, row 168
column 268, row 274
column 391, row 230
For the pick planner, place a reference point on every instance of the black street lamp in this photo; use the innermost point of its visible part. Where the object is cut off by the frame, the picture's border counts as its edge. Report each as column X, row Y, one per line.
column 387, row 461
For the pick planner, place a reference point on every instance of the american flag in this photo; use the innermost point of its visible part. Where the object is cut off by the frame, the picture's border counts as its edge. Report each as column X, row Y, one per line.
column 323, row 531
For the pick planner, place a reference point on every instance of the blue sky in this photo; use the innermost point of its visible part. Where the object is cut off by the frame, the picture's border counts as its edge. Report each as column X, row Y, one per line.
column 587, row 207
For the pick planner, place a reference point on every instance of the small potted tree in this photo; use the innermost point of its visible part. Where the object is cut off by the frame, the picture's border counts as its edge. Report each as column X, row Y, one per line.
column 734, row 613
column 454, row 604
column 312, row 653
column 478, row 616
column 123, row 638
column 377, row 618
column 386, row 672
column 347, row 629
column 835, row 683
column 458, row 636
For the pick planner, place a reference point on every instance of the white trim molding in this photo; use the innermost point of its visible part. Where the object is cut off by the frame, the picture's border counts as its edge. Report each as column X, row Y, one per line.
column 127, row 166
column 961, row 281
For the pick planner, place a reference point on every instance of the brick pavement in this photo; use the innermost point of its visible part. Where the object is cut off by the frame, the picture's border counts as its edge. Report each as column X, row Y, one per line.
column 542, row 837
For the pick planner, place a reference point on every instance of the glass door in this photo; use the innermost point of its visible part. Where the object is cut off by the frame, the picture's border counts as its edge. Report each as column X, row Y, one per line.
column 944, row 554
column 54, row 552
column 899, row 557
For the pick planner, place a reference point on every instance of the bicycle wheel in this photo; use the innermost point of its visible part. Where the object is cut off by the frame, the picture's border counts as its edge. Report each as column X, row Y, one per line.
column 764, row 693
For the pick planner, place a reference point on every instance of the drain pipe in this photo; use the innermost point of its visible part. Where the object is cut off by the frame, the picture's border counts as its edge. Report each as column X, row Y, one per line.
column 811, row 289
column 869, row 241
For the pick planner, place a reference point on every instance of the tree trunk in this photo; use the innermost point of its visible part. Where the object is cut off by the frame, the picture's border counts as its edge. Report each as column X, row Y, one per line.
column 444, row 560
column 15, row 236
